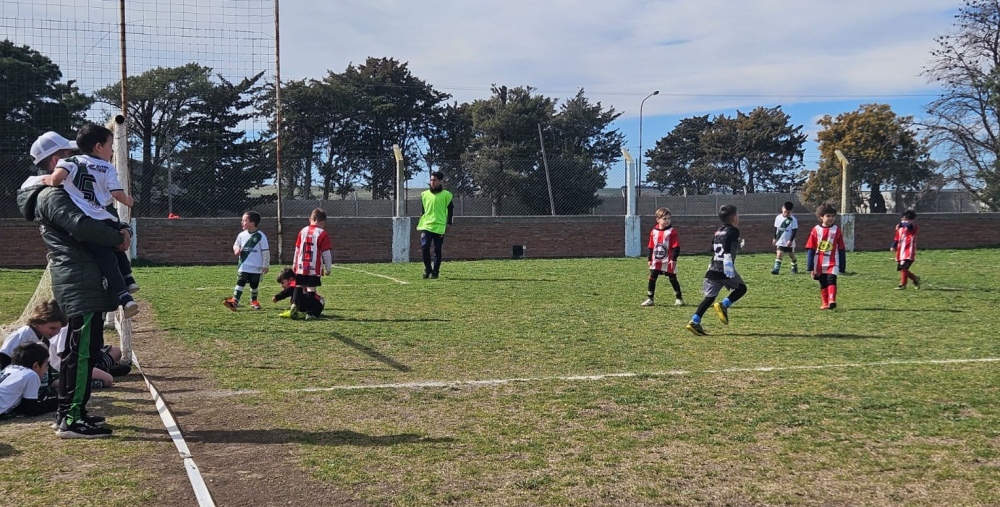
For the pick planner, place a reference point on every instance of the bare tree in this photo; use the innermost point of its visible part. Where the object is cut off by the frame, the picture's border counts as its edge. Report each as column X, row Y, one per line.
column 965, row 120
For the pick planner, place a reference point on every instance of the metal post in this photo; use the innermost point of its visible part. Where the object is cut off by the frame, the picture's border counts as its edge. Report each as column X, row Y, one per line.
column 545, row 163
column 277, row 126
column 639, row 167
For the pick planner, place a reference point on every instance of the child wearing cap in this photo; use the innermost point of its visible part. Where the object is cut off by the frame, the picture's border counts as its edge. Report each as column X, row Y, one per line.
column 92, row 182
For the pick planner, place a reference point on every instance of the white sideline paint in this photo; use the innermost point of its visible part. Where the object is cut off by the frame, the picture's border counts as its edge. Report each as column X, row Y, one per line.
column 201, row 492
column 491, row 382
column 401, row 282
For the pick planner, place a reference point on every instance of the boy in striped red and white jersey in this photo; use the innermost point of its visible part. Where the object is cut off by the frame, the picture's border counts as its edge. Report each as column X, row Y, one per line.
column 664, row 247
column 826, row 255
column 905, row 246
column 313, row 259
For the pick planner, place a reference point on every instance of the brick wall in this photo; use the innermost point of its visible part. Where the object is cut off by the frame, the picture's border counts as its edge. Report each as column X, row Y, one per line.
column 210, row 240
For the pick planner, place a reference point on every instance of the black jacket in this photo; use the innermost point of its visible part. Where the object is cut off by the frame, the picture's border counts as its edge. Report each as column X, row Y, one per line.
column 77, row 283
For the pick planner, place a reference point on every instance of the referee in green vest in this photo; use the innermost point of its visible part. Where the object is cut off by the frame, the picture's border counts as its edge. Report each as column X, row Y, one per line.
column 436, row 214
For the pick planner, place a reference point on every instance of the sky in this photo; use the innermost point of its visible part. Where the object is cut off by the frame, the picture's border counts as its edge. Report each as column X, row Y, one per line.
column 811, row 57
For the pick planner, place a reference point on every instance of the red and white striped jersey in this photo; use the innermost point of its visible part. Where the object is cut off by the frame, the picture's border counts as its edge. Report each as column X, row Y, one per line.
column 906, row 242
column 828, row 242
column 309, row 247
column 662, row 243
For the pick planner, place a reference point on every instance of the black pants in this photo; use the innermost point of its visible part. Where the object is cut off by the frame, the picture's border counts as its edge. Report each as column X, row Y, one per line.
column 114, row 266
column 426, row 239
column 84, row 341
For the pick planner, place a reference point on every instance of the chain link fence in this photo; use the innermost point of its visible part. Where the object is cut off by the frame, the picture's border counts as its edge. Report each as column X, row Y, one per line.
column 200, row 111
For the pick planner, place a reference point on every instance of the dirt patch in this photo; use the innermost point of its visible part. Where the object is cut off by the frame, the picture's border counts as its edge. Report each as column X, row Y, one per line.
column 230, row 442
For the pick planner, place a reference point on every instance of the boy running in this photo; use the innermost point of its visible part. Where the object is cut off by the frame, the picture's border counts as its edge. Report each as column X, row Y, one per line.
column 721, row 271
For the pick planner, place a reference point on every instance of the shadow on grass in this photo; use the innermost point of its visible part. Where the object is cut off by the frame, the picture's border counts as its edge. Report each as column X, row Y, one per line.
column 372, row 353
column 914, row 310
column 463, row 279
column 8, row 450
column 819, row 336
column 389, row 320
column 289, row 436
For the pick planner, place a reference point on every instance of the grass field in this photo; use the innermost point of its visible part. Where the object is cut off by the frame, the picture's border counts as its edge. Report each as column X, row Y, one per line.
column 543, row 382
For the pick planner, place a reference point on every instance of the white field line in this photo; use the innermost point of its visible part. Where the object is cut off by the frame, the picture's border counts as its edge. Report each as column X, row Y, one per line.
column 575, row 378
column 401, row 282
column 201, row 493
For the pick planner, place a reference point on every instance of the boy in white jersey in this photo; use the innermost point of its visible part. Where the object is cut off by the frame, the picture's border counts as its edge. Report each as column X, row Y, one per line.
column 825, row 255
column 254, row 260
column 92, row 182
column 785, row 226
column 20, row 382
column 664, row 247
column 313, row 259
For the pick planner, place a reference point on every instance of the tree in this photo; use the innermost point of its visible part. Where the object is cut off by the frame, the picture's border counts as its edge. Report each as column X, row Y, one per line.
column 678, row 162
column 751, row 152
column 159, row 102
column 965, row 120
column 391, row 107
column 883, row 149
column 756, row 151
column 580, row 148
column 218, row 162
column 448, row 138
column 32, row 101
column 505, row 140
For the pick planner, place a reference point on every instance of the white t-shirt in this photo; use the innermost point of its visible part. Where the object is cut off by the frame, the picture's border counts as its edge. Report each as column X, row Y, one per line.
column 17, row 382
column 56, row 345
column 90, row 183
column 256, row 259
column 785, row 226
column 20, row 335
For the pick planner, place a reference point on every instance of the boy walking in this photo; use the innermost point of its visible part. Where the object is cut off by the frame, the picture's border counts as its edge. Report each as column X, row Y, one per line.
column 92, row 182
column 721, row 271
column 254, row 260
column 785, row 227
column 826, row 255
column 905, row 246
column 664, row 247
column 437, row 212
column 313, row 259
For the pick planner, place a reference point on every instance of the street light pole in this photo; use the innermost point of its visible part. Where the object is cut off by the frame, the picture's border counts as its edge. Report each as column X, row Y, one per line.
column 639, row 169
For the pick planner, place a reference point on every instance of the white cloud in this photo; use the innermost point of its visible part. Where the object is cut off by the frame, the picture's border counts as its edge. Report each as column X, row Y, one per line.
column 702, row 55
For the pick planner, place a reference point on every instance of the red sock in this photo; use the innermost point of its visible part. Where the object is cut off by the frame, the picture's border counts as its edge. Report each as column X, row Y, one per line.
column 832, row 293
column 910, row 275
column 824, row 297
column 903, row 275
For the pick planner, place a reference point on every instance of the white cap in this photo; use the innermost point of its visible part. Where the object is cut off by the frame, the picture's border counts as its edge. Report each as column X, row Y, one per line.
column 49, row 143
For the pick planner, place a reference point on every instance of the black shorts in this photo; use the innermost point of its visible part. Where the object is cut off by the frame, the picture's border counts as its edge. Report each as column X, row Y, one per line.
column 904, row 264
column 786, row 249
column 307, row 281
column 252, row 278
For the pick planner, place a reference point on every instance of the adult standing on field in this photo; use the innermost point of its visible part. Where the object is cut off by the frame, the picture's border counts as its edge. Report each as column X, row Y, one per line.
column 77, row 284
column 436, row 213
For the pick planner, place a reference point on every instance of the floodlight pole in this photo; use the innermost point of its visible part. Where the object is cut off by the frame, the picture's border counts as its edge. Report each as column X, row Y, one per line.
column 847, row 212
column 400, row 222
column 633, row 230
column 639, row 166
column 845, row 182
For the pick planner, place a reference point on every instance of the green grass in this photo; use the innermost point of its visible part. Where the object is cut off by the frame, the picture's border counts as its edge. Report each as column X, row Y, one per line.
column 786, row 405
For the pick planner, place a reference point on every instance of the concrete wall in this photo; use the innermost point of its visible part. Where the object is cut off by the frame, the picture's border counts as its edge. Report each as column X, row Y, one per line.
column 210, row 240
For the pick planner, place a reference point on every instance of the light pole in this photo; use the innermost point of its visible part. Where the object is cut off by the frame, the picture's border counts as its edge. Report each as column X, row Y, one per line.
column 639, row 169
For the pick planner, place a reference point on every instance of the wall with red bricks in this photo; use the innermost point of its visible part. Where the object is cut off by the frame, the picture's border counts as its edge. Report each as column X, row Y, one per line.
column 210, row 240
